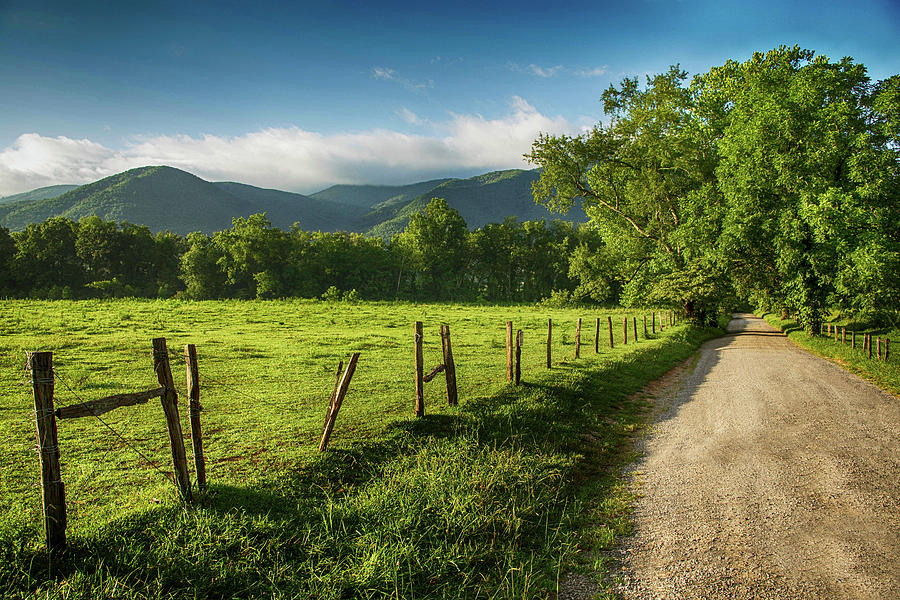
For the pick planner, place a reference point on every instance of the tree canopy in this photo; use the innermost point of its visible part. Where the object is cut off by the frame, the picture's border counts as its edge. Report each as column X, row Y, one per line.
column 774, row 181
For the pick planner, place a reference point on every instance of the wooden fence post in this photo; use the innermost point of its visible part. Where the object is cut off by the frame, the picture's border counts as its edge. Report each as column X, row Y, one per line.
column 509, row 351
column 835, row 332
column 549, row 339
column 449, row 366
column 53, row 492
column 645, row 327
column 519, row 341
column 653, row 323
column 597, row 337
column 887, row 348
column 853, row 339
column 625, row 331
column 870, row 345
column 634, row 320
column 879, row 347
column 336, row 400
column 610, row 331
column 420, row 367
column 192, row 369
column 843, row 335
column 173, row 422
column 578, row 338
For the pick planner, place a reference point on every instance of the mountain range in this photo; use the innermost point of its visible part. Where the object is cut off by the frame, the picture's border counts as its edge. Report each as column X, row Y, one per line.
column 165, row 198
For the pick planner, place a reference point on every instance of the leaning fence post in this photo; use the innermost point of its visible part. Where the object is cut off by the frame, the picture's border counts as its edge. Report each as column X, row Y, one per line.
column 193, row 387
column 173, row 422
column 53, row 492
column 578, row 338
column 609, row 319
column 449, row 366
column 549, row 340
column 509, row 351
column 336, row 401
column 519, row 339
column 420, row 367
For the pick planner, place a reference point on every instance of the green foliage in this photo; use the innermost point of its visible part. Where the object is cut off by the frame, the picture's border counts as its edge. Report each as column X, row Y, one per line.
column 435, row 244
column 775, row 180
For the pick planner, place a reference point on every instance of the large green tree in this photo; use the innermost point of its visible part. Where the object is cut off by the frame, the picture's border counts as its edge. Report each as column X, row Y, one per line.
column 802, row 174
column 435, row 242
column 646, row 180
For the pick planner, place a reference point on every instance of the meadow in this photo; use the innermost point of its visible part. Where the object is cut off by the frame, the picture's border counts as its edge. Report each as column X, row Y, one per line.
column 494, row 498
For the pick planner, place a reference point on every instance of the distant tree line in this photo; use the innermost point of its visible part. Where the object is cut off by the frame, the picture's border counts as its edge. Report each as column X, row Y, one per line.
column 435, row 258
column 775, row 181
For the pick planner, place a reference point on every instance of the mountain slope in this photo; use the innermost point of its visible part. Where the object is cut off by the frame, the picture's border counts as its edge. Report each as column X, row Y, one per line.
column 488, row 198
column 286, row 208
column 167, row 198
column 370, row 195
column 164, row 198
column 43, row 193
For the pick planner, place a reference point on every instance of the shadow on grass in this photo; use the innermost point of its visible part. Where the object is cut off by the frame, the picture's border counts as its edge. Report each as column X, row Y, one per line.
column 235, row 540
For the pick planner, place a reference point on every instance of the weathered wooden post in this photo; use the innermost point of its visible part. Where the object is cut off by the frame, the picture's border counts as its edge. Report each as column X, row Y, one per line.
column 853, row 339
column 549, row 340
column 519, row 341
column 634, row 320
column 610, row 331
column 625, row 331
column 420, row 368
column 835, row 332
column 170, row 407
column 192, row 372
column 337, row 399
column 578, row 339
column 449, row 366
column 887, row 348
column 597, row 336
column 843, row 335
column 870, row 345
column 509, row 351
column 53, row 491
column 879, row 347
column 645, row 327
column 653, row 322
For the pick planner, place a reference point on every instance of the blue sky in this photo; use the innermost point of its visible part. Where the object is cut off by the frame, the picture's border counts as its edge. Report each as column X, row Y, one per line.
column 302, row 95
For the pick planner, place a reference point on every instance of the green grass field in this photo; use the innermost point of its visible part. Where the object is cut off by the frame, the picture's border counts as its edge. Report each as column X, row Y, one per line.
column 494, row 498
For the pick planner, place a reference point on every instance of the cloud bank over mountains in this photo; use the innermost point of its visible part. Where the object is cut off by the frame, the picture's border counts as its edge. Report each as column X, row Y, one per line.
column 291, row 158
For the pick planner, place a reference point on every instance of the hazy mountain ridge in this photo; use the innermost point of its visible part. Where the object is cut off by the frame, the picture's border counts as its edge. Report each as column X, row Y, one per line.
column 51, row 191
column 165, row 198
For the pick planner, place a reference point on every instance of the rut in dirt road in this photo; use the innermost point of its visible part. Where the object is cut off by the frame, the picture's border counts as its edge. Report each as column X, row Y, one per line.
column 769, row 473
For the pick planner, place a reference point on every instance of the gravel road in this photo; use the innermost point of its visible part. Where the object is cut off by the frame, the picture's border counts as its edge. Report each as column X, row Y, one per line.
column 768, row 473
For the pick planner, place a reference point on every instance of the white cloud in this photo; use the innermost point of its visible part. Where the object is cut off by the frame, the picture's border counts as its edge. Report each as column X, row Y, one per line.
column 544, row 71
column 391, row 75
column 291, row 158
column 594, row 72
column 409, row 116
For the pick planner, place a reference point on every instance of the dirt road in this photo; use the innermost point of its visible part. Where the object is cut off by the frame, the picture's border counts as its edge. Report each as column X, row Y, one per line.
column 769, row 473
